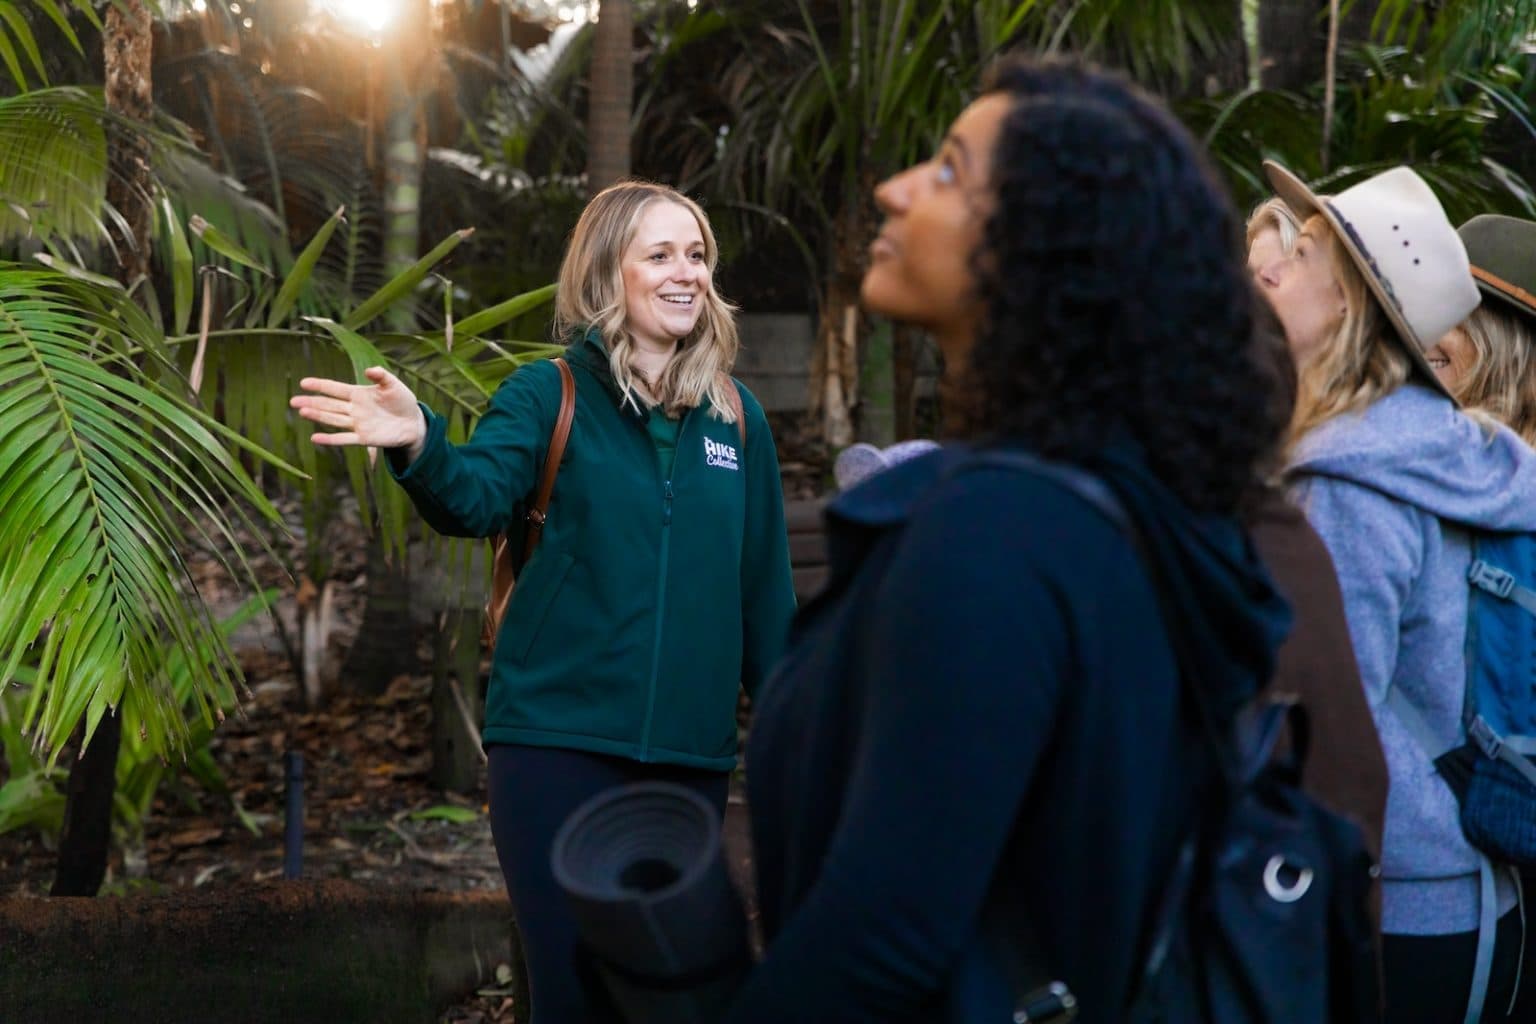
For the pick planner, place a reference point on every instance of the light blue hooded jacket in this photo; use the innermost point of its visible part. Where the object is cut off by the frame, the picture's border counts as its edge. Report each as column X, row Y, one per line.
column 1392, row 491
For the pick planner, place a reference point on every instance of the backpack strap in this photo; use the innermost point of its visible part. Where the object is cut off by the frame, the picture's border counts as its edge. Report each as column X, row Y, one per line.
column 557, row 441
column 504, row 569
column 1500, row 584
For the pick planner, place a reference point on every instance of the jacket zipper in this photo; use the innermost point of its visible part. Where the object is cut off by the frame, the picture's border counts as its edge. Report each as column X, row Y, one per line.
column 661, row 590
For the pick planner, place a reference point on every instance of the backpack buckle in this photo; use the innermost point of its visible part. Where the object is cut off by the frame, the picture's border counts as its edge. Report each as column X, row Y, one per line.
column 1482, row 734
column 1047, row 1004
column 1490, row 578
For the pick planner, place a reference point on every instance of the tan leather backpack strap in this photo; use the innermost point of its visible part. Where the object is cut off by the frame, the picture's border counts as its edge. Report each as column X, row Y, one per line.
column 504, row 572
column 733, row 401
column 557, row 441
column 503, row 579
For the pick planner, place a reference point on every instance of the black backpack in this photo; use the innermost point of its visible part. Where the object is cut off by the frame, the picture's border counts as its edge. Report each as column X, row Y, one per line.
column 1265, row 918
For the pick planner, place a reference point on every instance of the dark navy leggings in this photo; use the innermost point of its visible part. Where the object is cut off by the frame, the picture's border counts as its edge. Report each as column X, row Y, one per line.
column 532, row 791
column 1429, row 976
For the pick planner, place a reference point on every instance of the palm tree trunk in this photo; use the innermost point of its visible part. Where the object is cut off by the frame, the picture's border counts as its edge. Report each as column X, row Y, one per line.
column 610, row 95
column 405, row 148
column 126, row 45
column 385, row 645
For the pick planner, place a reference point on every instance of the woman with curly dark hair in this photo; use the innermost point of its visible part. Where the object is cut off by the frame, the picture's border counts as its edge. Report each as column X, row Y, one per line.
column 982, row 708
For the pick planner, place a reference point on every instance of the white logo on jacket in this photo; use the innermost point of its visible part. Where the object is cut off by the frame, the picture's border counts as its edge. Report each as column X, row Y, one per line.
column 717, row 454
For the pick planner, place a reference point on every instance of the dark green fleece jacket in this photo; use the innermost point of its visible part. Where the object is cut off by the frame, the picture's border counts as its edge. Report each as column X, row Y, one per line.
column 649, row 600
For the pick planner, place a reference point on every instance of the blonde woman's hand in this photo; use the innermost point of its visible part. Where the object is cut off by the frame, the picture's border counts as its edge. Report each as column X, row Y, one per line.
column 381, row 414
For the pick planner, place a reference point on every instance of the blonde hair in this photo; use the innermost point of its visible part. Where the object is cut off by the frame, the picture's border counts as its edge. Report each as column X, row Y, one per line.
column 1358, row 364
column 1273, row 213
column 590, row 295
column 1502, row 381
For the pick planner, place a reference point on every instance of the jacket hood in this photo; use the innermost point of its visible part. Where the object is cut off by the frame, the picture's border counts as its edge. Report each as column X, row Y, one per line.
column 586, row 349
column 1415, row 447
column 1214, row 590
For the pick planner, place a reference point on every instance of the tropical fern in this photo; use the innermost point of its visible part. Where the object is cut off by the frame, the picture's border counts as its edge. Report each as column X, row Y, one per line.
column 102, row 470
column 1395, row 106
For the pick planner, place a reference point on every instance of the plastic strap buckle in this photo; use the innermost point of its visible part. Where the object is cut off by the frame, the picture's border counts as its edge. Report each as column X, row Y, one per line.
column 1490, row 578
column 1488, row 741
column 1048, row 1004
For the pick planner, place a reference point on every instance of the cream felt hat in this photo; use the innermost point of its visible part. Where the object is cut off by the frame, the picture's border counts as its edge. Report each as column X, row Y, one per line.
column 1404, row 246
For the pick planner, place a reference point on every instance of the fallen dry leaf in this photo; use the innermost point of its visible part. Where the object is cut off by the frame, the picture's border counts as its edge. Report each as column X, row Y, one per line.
column 194, row 837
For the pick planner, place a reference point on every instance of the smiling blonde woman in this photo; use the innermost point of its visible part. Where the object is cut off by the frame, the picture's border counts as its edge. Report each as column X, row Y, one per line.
column 661, row 585
column 1489, row 360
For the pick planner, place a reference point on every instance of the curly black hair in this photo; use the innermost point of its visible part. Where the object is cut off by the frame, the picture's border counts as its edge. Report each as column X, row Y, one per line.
column 1116, row 300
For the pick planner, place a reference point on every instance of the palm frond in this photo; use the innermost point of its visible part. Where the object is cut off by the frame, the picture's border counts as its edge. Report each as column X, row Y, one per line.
column 102, row 470
column 53, row 164
column 291, row 152
column 194, row 187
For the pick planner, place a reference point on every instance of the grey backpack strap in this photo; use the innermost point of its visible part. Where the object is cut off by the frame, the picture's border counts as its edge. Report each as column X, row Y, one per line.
column 1487, row 893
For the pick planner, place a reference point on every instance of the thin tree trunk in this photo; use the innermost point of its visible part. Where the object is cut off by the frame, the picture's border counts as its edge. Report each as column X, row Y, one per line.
column 610, row 95
column 315, row 604
column 85, row 842
column 456, row 702
column 835, row 367
column 904, row 379
column 1252, row 51
column 1330, row 73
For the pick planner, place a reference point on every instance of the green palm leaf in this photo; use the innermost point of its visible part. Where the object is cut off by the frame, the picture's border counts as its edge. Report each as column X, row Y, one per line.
column 53, row 164
column 102, row 471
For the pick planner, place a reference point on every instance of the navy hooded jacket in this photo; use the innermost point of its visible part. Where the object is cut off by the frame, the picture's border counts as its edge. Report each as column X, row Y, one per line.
column 983, row 706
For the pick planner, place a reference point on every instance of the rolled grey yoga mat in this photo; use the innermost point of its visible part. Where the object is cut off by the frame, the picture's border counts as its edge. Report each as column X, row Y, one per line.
column 645, row 873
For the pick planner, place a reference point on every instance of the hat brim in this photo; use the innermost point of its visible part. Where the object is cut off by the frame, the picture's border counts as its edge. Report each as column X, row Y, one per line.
column 1506, row 299
column 1304, row 203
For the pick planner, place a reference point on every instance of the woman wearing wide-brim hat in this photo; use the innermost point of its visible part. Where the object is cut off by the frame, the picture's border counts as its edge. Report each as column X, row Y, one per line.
column 1392, row 474
column 1489, row 360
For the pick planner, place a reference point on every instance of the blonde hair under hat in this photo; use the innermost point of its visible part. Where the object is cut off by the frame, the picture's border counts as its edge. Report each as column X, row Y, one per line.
column 1398, row 236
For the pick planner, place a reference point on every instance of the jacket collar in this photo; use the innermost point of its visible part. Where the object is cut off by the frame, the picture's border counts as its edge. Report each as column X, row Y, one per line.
column 586, row 349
